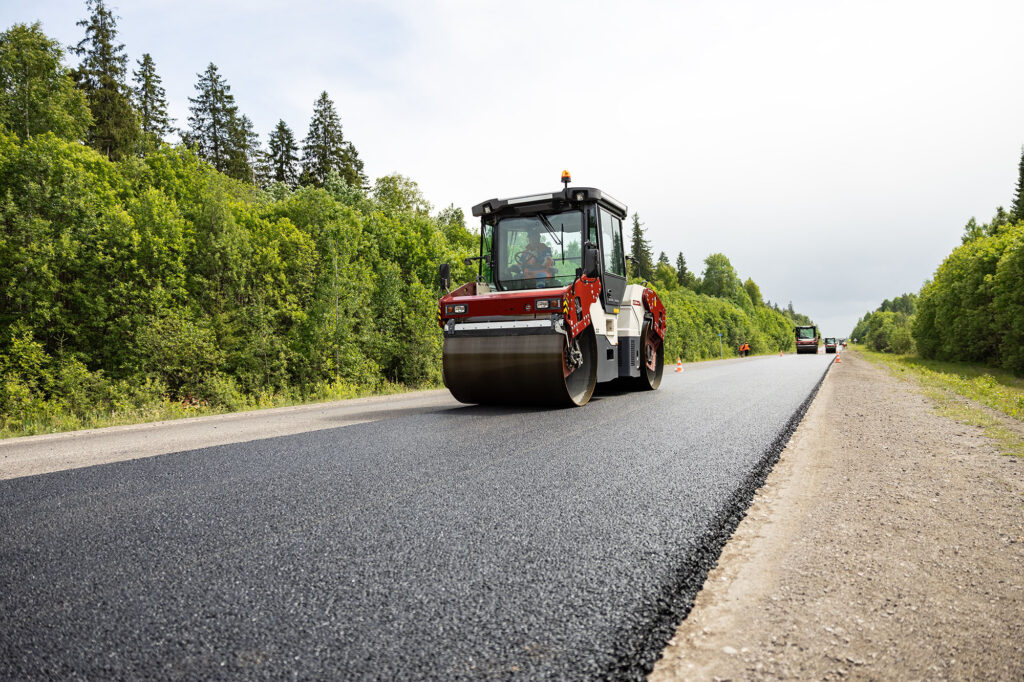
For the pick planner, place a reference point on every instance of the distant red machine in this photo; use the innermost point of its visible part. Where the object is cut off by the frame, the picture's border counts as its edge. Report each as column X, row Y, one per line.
column 807, row 339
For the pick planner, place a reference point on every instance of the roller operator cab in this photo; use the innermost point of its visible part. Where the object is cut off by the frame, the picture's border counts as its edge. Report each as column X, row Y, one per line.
column 807, row 339
column 550, row 314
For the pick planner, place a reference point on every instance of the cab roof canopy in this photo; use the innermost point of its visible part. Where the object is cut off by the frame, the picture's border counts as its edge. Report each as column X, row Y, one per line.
column 561, row 200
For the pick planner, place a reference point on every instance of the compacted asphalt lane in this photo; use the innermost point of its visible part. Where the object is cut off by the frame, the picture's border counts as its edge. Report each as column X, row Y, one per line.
column 464, row 542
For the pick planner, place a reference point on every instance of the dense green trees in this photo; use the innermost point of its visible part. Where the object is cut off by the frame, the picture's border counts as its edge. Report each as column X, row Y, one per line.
column 695, row 320
column 972, row 309
column 888, row 328
column 161, row 276
column 37, row 94
column 701, row 308
column 143, row 274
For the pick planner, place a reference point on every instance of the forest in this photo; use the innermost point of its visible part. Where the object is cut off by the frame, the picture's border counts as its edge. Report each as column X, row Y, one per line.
column 972, row 310
column 146, row 270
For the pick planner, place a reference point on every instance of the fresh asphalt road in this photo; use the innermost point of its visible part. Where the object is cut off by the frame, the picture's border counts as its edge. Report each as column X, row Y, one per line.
column 459, row 542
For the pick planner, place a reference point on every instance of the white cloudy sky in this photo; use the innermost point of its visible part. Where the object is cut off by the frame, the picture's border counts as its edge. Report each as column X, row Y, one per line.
column 832, row 150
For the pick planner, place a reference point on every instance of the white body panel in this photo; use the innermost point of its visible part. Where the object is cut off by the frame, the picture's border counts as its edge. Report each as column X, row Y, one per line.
column 629, row 321
column 631, row 312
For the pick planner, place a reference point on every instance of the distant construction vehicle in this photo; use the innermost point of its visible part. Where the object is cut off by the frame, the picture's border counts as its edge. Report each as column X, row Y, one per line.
column 830, row 344
column 807, row 339
column 550, row 314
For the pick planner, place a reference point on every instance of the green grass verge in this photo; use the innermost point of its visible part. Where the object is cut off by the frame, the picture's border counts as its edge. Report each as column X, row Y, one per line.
column 948, row 383
column 55, row 418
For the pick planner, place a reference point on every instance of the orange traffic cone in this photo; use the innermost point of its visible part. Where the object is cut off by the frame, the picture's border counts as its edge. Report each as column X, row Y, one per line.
column 838, row 359
column 679, row 365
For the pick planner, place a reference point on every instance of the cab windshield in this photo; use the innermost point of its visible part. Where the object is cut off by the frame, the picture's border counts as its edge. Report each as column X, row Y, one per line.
column 805, row 333
column 830, row 341
column 537, row 252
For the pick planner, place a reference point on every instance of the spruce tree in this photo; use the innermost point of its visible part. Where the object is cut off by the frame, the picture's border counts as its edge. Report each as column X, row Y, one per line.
column 244, row 154
column 283, row 155
column 150, row 101
column 643, row 262
column 1017, row 209
column 683, row 276
column 215, row 127
column 662, row 258
column 325, row 148
column 101, row 76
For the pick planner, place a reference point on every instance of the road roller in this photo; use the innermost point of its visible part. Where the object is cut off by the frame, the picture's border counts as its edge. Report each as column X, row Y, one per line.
column 550, row 314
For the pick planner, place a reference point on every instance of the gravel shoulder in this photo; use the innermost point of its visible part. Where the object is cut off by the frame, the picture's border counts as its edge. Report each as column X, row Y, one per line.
column 887, row 543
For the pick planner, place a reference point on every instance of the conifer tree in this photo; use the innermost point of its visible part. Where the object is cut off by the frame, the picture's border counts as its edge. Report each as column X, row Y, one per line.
column 643, row 263
column 218, row 134
column 282, row 155
column 1017, row 210
column 325, row 148
column 683, row 276
column 150, row 101
column 244, row 154
column 101, row 77
column 662, row 258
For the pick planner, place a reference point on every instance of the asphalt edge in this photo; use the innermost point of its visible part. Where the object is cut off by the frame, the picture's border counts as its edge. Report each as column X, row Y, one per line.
column 640, row 646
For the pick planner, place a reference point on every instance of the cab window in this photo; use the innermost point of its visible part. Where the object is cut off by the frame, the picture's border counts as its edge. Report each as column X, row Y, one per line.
column 611, row 237
column 539, row 251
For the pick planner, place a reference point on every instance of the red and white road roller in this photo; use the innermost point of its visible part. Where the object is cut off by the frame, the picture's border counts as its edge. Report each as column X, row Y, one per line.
column 550, row 314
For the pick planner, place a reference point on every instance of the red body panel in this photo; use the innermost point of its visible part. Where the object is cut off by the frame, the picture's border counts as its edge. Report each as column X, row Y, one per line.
column 498, row 303
column 653, row 305
column 585, row 290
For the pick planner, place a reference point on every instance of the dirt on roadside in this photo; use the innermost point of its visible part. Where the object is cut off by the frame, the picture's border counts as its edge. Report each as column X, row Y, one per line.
column 887, row 543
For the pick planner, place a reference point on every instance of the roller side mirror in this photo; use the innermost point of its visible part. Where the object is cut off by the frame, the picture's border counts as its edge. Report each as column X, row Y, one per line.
column 591, row 260
column 444, row 276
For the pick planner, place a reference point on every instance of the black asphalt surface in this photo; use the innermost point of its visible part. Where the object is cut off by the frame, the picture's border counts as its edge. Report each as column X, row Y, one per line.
column 465, row 543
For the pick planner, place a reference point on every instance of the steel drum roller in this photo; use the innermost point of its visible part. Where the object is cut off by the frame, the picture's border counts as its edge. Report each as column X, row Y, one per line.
column 518, row 370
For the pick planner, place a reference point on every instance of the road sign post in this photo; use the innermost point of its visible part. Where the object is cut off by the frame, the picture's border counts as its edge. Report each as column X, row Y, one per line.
column 721, row 351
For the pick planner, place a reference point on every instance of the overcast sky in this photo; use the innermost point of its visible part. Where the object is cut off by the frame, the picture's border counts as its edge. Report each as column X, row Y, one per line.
column 832, row 150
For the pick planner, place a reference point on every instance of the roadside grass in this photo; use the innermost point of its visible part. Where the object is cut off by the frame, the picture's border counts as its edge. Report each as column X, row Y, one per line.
column 948, row 383
column 55, row 418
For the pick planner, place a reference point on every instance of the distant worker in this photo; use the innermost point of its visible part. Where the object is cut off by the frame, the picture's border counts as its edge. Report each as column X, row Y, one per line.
column 535, row 260
column 744, row 350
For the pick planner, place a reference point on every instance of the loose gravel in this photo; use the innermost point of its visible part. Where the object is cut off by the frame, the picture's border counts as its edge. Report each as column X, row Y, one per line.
column 466, row 543
column 888, row 543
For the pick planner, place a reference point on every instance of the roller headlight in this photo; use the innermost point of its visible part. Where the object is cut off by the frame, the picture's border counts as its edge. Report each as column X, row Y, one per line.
column 457, row 309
